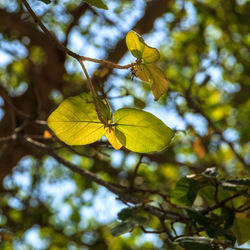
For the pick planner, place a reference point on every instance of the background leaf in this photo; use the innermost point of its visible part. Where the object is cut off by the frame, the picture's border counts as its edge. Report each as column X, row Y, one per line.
column 195, row 243
column 185, row 191
column 122, row 228
column 143, row 131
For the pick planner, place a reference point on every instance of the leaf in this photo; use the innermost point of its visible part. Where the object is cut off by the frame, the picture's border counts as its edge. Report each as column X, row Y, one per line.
column 122, row 228
column 241, row 230
column 47, row 134
column 139, row 103
column 154, row 76
column 97, row 3
column 125, row 214
column 199, row 149
column 210, row 225
column 140, row 131
column 185, row 191
column 140, row 49
column 75, row 121
column 195, row 243
column 112, row 138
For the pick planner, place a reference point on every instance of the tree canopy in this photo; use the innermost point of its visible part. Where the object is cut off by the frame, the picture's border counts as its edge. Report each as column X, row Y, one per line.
column 124, row 124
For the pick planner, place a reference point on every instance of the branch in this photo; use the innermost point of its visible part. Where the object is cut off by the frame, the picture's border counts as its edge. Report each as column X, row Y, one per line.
column 67, row 50
column 124, row 197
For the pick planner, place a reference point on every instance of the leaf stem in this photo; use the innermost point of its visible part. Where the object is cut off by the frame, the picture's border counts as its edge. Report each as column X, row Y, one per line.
column 92, row 89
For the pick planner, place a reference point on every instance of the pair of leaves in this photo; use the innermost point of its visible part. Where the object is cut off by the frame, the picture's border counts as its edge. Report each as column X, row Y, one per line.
column 76, row 122
column 145, row 69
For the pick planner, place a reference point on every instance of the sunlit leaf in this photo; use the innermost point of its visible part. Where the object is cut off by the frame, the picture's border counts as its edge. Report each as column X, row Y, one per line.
column 75, row 121
column 140, row 131
column 154, row 76
column 140, row 49
column 112, row 138
column 97, row 3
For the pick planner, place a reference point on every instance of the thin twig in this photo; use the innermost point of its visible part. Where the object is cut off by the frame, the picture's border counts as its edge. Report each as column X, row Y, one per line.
column 8, row 100
column 67, row 50
column 132, row 182
column 222, row 203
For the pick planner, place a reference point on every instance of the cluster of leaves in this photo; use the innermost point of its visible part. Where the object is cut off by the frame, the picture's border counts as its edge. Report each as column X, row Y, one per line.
column 216, row 225
column 76, row 120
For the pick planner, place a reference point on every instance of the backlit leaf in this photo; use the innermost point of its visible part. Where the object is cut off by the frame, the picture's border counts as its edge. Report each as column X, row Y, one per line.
column 154, row 76
column 112, row 138
column 140, row 49
column 97, row 3
column 140, row 131
column 75, row 121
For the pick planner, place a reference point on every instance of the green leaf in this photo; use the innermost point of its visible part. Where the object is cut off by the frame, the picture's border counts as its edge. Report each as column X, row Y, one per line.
column 125, row 214
column 195, row 243
column 241, row 229
column 154, row 76
column 97, row 3
column 140, row 131
column 185, row 191
column 140, row 49
column 139, row 103
column 210, row 225
column 122, row 228
column 75, row 121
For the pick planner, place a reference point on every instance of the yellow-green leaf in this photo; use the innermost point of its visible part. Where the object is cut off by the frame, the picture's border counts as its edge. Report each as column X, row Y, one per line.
column 140, row 49
column 75, row 121
column 154, row 76
column 140, row 131
column 113, row 139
